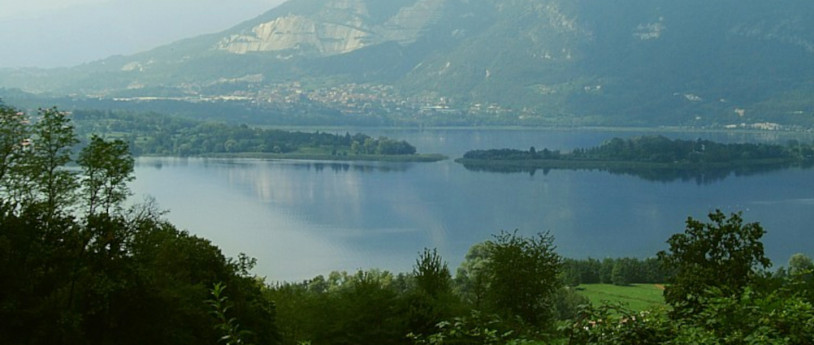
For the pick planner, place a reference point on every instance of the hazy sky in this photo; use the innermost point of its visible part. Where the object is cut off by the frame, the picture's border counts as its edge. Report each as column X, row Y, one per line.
column 51, row 33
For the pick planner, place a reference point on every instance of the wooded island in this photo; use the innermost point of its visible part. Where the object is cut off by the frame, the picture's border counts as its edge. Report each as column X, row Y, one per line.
column 650, row 157
column 161, row 135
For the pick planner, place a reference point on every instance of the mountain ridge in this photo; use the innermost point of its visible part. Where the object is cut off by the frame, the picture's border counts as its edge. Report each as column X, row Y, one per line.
column 629, row 62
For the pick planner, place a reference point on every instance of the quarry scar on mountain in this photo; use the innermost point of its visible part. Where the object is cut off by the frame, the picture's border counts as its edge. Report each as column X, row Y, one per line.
column 324, row 35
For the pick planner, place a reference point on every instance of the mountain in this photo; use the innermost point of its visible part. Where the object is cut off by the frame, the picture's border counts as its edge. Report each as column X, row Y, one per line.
column 562, row 62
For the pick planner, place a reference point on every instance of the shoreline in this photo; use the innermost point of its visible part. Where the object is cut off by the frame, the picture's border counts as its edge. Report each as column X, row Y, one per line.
column 690, row 129
column 415, row 158
column 610, row 164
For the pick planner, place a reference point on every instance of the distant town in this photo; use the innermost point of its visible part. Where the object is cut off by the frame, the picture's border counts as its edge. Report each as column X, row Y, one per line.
column 349, row 99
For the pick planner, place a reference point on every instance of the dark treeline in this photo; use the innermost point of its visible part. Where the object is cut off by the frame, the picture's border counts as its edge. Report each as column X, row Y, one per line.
column 653, row 158
column 156, row 134
column 659, row 149
column 79, row 268
column 618, row 271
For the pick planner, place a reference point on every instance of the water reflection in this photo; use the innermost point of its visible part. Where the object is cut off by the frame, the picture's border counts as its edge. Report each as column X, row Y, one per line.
column 301, row 219
column 701, row 175
column 336, row 166
column 356, row 166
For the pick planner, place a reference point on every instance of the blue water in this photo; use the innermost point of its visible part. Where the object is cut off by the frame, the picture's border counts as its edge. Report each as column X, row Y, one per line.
column 300, row 219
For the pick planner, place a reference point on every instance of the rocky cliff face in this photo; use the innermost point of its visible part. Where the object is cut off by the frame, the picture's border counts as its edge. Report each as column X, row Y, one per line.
column 300, row 34
column 341, row 26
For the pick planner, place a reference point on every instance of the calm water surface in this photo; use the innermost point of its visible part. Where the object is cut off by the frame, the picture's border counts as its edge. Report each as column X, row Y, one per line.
column 300, row 219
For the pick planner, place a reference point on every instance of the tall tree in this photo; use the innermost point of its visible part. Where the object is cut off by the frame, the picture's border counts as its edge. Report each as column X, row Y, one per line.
column 723, row 254
column 432, row 274
column 12, row 136
column 433, row 300
column 13, row 143
column 471, row 278
column 523, row 276
column 53, row 140
column 107, row 167
column 799, row 264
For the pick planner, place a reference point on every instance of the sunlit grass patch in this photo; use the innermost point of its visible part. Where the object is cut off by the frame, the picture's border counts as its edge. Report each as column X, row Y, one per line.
column 635, row 296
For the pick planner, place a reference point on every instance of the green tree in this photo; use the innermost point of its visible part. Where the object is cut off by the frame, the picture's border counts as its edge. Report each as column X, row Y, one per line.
column 567, row 303
column 752, row 317
column 572, row 272
column 523, row 276
column 801, row 276
column 432, row 274
column 107, row 168
column 14, row 142
column 622, row 272
column 723, row 254
column 231, row 334
column 432, row 300
column 36, row 256
column 369, row 146
column 53, row 142
column 366, row 312
column 13, row 133
column 122, row 278
column 799, row 264
column 471, row 280
column 606, row 271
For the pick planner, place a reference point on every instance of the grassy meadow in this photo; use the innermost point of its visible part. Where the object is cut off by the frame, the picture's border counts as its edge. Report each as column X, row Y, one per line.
column 635, row 296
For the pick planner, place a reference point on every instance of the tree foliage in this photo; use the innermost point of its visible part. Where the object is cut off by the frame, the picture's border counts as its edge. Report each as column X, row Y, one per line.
column 658, row 149
column 107, row 167
column 432, row 274
column 519, row 276
column 113, row 277
column 524, row 276
column 724, row 253
column 165, row 135
column 365, row 307
column 471, row 279
column 799, row 264
column 53, row 143
column 619, row 271
column 13, row 135
column 431, row 299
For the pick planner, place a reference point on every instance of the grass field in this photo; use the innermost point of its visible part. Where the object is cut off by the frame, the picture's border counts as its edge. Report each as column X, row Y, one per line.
column 636, row 296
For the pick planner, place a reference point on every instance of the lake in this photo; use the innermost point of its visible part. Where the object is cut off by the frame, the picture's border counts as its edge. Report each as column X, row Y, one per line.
column 304, row 218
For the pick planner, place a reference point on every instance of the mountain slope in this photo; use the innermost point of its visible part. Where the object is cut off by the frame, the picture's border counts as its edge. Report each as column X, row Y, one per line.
column 634, row 62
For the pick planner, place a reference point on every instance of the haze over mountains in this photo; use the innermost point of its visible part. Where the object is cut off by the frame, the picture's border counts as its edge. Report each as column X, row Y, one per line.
column 560, row 62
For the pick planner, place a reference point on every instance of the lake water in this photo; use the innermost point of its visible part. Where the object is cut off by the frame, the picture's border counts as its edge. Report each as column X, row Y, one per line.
column 301, row 219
